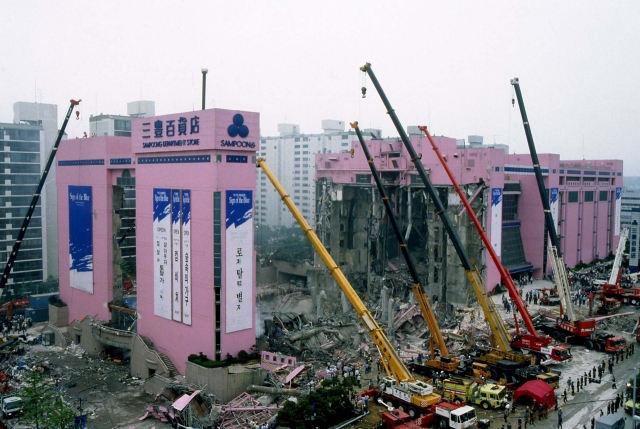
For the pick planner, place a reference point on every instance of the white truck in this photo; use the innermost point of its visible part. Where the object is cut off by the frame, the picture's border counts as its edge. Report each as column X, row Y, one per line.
column 11, row 406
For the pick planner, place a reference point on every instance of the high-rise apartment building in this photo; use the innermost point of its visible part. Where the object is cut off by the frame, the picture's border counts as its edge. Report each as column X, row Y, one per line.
column 291, row 157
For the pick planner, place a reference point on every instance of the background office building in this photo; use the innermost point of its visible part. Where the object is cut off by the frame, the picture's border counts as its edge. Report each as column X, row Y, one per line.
column 291, row 158
column 26, row 144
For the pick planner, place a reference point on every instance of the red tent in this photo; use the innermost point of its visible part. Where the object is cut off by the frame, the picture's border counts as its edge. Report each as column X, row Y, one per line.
column 536, row 390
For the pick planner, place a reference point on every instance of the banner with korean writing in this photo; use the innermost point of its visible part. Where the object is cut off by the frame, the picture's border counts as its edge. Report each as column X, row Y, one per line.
column 239, row 260
column 496, row 220
column 186, row 257
column 161, row 253
column 553, row 205
column 616, row 227
column 176, row 263
column 81, row 238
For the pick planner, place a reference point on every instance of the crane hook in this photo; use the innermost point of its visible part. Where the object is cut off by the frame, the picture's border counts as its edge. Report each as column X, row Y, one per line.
column 364, row 92
column 77, row 115
column 513, row 102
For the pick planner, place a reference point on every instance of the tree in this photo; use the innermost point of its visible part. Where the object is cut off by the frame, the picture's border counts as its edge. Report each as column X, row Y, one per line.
column 61, row 414
column 38, row 397
column 327, row 406
column 43, row 408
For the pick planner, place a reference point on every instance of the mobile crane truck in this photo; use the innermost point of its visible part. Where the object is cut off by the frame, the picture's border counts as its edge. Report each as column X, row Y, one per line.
column 503, row 361
column 401, row 390
column 488, row 395
column 570, row 329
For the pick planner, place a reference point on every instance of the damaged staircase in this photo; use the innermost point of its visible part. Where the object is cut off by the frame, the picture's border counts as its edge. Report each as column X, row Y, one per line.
column 165, row 359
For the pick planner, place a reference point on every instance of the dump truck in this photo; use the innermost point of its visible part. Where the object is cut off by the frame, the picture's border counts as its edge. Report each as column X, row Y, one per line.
column 487, row 395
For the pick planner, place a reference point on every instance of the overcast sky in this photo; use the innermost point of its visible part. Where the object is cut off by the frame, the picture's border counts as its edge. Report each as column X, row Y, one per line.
column 445, row 64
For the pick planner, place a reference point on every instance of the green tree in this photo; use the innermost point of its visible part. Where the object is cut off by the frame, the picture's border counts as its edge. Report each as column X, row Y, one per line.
column 327, row 406
column 61, row 414
column 38, row 397
column 42, row 407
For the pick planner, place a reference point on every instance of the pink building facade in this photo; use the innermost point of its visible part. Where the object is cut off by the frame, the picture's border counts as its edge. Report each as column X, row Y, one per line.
column 195, row 181
column 584, row 196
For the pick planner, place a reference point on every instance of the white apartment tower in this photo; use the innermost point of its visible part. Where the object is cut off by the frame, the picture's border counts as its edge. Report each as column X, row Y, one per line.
column 291, row 157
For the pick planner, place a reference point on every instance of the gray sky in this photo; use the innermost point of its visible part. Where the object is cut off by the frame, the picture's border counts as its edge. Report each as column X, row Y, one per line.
column 446, row 64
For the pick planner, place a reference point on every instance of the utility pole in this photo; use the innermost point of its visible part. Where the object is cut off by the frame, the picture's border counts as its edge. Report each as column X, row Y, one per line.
column 204, row 86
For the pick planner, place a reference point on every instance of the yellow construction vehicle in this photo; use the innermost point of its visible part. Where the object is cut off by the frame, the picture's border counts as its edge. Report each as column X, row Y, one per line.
column 401, row 389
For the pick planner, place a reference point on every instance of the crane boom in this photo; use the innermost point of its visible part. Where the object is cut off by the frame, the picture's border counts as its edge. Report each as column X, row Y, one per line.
column 615, row 276
column 562, row 282
column 396, row 366
column 504, row 274
column 34, row 201
column 421, row 297
column 499, row 330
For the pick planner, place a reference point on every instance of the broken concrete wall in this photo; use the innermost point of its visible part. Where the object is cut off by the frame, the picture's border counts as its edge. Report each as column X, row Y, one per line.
column 226, row 383
column 267, row 275
column 144, row 361
column 80, row 332
column 58, row 316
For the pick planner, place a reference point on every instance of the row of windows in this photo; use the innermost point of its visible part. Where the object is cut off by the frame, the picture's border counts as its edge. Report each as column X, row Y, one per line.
column 15, row 146
column 587, row 181
column 588, row 197
column 20, row 168
column 22, row 157
column 16, row 134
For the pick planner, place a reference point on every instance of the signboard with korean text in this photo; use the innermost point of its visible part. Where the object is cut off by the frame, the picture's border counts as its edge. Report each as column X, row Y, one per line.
column 553, row 204
column 186, row 257
column 618, row 209
column 162, row 252
column 176, row 260
column 199, row 130
column 81, row 238
column 496, row 220
column 239, row 261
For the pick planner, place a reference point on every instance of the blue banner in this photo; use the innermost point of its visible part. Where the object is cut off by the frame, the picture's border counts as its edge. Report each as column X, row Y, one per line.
column 81, row 238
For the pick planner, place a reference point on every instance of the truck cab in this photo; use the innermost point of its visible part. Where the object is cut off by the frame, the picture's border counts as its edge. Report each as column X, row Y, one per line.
column 615, row 344
column 11, row 407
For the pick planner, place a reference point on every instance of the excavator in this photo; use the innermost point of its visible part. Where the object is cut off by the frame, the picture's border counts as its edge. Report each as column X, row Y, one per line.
column 539, row 345
column 34, row 201
column 568, row 327
column 401, row 389
column 444, row 362
column 502, row 360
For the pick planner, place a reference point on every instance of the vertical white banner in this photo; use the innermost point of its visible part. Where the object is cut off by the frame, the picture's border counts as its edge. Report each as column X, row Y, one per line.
column 239, row 261
column 176, row 260
column 618, row 208
column 81, row 238
column 496, row 220
column 162, row 253
column 553, row 205
column 186, row 257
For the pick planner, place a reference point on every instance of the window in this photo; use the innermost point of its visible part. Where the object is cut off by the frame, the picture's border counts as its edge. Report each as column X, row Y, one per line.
column 297, row 146
column 588, row 196
column 573, row 197
column 363, row 178
column 345, row 144
column 297, row 139
column 297, row 152
column 562, row 180
column 305, row 145
column 305, row 152
column 509, row 207
column 603, row 196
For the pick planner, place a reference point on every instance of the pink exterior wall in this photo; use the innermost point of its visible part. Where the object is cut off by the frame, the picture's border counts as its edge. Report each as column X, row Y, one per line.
column 588, row 228
column 173, row 338
column 467, row 166
column 172, row 168
column 100, row 178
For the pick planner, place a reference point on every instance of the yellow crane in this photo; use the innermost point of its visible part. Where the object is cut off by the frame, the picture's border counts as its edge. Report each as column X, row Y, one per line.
column 402, row 385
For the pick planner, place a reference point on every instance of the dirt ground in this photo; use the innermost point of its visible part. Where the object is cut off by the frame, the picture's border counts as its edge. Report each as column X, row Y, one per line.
column 109, row 396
